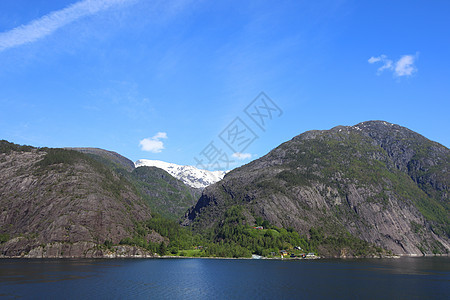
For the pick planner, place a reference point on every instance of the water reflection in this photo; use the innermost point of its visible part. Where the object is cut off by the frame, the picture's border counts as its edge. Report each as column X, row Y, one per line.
column 403, row 278
column 20, row 271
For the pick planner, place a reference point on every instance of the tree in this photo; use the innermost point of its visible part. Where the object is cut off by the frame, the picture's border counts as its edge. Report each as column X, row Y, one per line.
column 259, row 221
column 162, row 248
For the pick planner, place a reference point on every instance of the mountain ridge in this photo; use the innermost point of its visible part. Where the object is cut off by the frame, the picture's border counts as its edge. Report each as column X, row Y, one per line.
column 112, row 157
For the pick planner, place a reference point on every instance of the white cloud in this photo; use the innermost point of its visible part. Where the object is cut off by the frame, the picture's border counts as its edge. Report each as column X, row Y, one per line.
column 153, row 144
column 242, row 156
column 160, row 135
column 405, row 65
column 402, row 67
column 46, row 25
column 374, row 59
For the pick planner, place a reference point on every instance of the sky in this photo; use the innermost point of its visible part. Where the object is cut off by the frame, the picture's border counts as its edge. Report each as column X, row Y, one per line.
column 217, row 84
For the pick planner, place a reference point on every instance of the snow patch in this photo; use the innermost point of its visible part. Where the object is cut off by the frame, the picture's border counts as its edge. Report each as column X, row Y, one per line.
column 190, row 175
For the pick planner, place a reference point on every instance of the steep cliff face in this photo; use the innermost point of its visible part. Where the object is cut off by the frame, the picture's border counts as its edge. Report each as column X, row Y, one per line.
column 55, row 199
column 380, row 182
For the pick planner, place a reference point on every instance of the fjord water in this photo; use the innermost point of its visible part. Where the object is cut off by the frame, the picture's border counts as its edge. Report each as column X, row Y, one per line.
column 404, row 278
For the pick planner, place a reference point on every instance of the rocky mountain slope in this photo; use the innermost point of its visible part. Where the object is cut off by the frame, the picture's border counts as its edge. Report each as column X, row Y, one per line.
column 192, row 176
column 66, row 203
column 164, row 194
column 379, row 182
column 57, row 202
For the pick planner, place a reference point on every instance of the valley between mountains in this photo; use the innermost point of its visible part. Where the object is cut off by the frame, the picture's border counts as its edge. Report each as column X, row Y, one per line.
column 374, row 189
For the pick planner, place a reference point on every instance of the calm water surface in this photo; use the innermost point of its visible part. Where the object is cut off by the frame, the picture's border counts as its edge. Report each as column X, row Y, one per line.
column 405, row 278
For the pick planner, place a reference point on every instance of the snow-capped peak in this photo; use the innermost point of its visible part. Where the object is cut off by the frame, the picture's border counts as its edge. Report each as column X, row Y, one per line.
column 190, row 175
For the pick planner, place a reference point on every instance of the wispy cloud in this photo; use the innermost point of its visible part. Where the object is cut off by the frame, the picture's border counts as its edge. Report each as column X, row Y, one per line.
column 402, row 67
column 387, row 63
column 242, row 156
column 375, row 59
column 46, row 25
column 153, row 144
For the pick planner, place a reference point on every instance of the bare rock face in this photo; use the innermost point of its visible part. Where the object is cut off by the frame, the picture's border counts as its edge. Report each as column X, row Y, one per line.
column 380, row 182
column 62, row 203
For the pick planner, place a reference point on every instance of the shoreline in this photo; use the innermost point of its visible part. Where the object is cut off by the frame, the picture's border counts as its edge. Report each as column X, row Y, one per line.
column 397, row 256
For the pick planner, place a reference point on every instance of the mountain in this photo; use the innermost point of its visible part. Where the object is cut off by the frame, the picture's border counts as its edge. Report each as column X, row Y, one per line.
column 86, row 202
column 376, row 182
column 63, row 203
column 192, row 176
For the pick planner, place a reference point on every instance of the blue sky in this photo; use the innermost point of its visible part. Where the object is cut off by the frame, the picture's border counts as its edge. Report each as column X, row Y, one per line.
column 164, row 79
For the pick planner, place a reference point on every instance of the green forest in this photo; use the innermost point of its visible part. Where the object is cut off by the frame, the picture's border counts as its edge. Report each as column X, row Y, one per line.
column 235, row 238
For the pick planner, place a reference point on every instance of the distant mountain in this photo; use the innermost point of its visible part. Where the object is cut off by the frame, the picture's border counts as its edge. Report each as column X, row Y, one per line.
column 192, row 176
column 376, row 181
